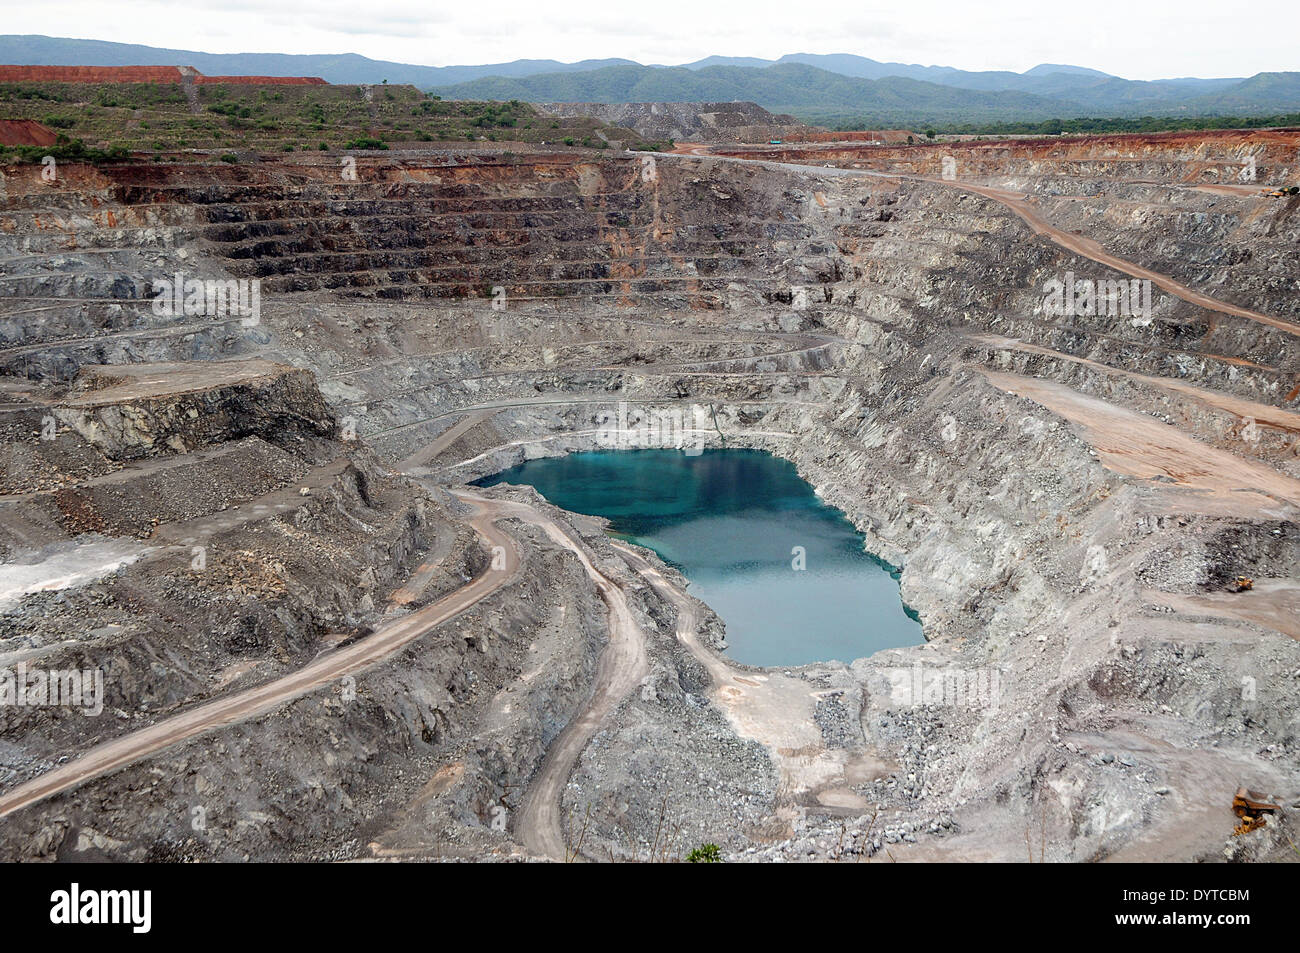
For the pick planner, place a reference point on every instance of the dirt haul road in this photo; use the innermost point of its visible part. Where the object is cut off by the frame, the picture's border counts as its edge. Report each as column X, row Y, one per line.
column 1088, row 248
column 116, row 754
column 1019, row 203
column 623, row 664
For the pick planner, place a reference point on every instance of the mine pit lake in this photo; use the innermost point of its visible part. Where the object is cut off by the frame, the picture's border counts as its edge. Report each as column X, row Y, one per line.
column 730, row 521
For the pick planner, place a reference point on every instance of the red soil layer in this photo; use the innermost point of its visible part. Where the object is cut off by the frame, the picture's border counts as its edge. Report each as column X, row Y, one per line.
column 139, row 74
column 25, row 132
column 263, row 80
column 90, row 74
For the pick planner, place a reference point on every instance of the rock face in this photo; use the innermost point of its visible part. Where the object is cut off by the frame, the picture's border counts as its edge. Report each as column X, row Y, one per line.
column 701, row 122
column 1069, row 495
column 131, row 411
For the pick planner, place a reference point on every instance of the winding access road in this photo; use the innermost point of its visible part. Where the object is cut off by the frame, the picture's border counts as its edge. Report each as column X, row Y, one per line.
column 1019, row 203
column 244, row 705
column 1092, row 249
column 538, row 824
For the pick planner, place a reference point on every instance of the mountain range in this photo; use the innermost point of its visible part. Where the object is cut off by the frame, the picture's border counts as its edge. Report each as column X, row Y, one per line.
column 815, row 87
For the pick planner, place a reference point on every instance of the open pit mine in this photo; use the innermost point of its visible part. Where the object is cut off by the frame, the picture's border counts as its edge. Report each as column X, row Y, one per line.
column 258, row 602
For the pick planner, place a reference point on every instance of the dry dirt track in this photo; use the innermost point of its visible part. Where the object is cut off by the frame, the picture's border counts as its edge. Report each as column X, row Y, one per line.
column 1019, row 203
column 538, row 825
column 241, row 706
column 1089, row 248
column 1137, row 445
column 1265, row 415
column 445, row 439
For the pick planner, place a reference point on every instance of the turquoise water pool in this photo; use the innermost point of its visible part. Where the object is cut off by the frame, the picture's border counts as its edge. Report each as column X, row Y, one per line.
column 787, row 573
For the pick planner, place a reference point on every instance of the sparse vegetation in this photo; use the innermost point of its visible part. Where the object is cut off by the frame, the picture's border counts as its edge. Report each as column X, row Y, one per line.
column 1090, row 125
column 265, row 119
column 65, row 149
column 365, row 142
column 705, row 854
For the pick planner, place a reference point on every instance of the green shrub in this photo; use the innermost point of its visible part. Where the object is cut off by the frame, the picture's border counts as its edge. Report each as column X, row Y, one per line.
column 705, row 854
column 65, row 149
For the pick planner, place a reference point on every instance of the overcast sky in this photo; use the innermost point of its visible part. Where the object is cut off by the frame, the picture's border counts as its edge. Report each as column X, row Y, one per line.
column 1138, row 39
